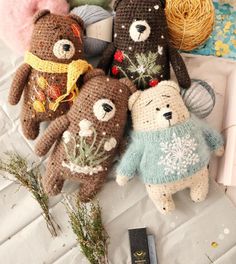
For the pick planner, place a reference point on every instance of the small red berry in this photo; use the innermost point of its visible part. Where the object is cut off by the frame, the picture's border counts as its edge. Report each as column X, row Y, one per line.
column 115, row 70
column 119, row 56
column 153, row 82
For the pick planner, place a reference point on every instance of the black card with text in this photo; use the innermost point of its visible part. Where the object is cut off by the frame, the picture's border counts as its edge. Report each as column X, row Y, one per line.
column 139, row 246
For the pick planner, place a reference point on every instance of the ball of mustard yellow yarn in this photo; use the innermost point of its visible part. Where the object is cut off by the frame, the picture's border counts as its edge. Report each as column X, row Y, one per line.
column 190, row 22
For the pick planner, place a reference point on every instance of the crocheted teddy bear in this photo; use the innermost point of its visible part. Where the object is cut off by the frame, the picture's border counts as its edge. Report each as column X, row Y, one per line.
column 88, row 136
column 141, row 50
column 170, row 148
column 51, row 68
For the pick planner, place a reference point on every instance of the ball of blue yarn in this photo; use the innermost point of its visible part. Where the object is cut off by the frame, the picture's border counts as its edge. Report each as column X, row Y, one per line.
column 90, row 15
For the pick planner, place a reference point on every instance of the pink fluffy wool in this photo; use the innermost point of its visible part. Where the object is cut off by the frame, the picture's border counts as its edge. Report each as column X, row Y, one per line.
column 16, row 20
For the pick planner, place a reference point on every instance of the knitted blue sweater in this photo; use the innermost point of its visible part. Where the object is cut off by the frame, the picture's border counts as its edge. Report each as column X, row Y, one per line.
column 170, row 154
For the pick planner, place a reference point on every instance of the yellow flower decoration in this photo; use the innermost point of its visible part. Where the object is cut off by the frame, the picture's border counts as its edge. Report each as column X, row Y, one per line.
column 234, row 42
column 227, row 26
column 221, row 48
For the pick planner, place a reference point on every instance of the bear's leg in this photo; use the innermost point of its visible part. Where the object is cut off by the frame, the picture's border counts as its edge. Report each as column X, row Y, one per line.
column 199, row 185
column 30, row 127
column 53, row 182
column 161, row 198
column 91, row 187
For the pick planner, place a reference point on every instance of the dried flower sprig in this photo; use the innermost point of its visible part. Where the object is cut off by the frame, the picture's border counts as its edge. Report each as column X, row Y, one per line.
column 86, row 222
column 30, row 178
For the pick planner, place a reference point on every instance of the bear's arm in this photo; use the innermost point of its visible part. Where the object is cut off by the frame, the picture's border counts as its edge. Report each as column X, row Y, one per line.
column 179, row 68
column 18, row 84
column 53, row 132
column 130, row 161
column 213, row 138
column 107, row 58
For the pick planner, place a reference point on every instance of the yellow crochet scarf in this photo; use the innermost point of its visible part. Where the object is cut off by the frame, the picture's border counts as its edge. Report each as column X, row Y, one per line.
column 74, row 70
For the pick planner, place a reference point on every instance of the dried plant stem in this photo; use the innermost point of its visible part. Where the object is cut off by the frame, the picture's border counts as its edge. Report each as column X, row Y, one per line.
column 31, row 180
column 86, row 222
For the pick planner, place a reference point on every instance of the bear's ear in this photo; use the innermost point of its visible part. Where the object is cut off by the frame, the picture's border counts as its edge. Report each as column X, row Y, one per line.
column 78, row 19
column 117, row 2
column 171, row 84
column 132, row 88
column 163, row 3
column 133, row 98
column 40, row 14
column 93, row 73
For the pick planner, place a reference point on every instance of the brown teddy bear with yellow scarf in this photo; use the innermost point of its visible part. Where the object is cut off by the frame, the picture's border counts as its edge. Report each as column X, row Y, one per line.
column 51, row 70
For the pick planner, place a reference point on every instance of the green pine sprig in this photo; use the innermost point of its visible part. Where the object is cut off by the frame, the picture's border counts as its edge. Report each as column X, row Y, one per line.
column 30, row 178
column 86, row 222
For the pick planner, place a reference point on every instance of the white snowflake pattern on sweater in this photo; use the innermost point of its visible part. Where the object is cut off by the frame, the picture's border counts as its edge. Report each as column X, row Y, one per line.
column 178, row 154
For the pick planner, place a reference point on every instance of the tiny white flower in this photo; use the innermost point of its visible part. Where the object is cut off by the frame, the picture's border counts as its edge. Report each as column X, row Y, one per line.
column 85, row 128
column 156, row 7
column 141, row 69
column 160, row 50
column 85, row 124
column 66, row 137
column 86, row 133
column 110, row 144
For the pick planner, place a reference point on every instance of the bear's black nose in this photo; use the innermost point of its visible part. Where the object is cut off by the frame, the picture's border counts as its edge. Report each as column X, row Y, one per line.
column 66, row 47
column 107, row 108
column 141, row 28
column 168, row 115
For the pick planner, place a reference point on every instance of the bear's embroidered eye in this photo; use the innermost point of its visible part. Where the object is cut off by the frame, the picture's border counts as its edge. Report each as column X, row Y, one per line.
column 168, row 106
column 148, row 103
column 104, row 110
column 64, row 49
column 158, row 109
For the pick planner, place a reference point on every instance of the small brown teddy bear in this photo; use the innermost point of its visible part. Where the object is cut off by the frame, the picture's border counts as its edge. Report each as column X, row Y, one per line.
column 88, row 136
column 51, row 68
column 141, row 50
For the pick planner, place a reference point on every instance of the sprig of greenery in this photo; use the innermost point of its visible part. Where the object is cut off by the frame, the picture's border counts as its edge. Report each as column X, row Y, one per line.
column 86, row 222
column 30, row 178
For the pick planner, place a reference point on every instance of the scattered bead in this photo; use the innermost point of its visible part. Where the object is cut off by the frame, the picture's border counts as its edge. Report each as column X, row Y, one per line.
column 214, row 244
column 226, row 231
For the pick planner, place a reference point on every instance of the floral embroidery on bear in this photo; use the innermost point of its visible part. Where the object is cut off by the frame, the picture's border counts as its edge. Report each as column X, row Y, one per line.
column 83, row 153
column 45, row 92
column 144, row 66
column 178, row 154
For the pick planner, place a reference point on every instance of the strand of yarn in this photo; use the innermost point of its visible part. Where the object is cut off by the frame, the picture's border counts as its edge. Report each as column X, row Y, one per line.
column 190, row 22
column 90, row 15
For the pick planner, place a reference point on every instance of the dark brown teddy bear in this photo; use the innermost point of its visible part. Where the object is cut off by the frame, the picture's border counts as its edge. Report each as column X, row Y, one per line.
column 50, row 71
column 88, row 136
column 141, row 50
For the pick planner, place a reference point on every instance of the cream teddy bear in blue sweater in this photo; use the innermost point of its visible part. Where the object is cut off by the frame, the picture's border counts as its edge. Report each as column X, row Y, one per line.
column 170, row 149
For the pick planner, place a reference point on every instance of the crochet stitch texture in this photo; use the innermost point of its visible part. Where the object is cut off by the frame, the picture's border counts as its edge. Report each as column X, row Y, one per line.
column 49, row 74
column 170, row 149
column 170, row 154
column 87, row 137
column 141, row 50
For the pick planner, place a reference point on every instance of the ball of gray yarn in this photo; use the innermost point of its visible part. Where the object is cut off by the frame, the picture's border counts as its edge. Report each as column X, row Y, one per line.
column 199, row 98
column 90, row 15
